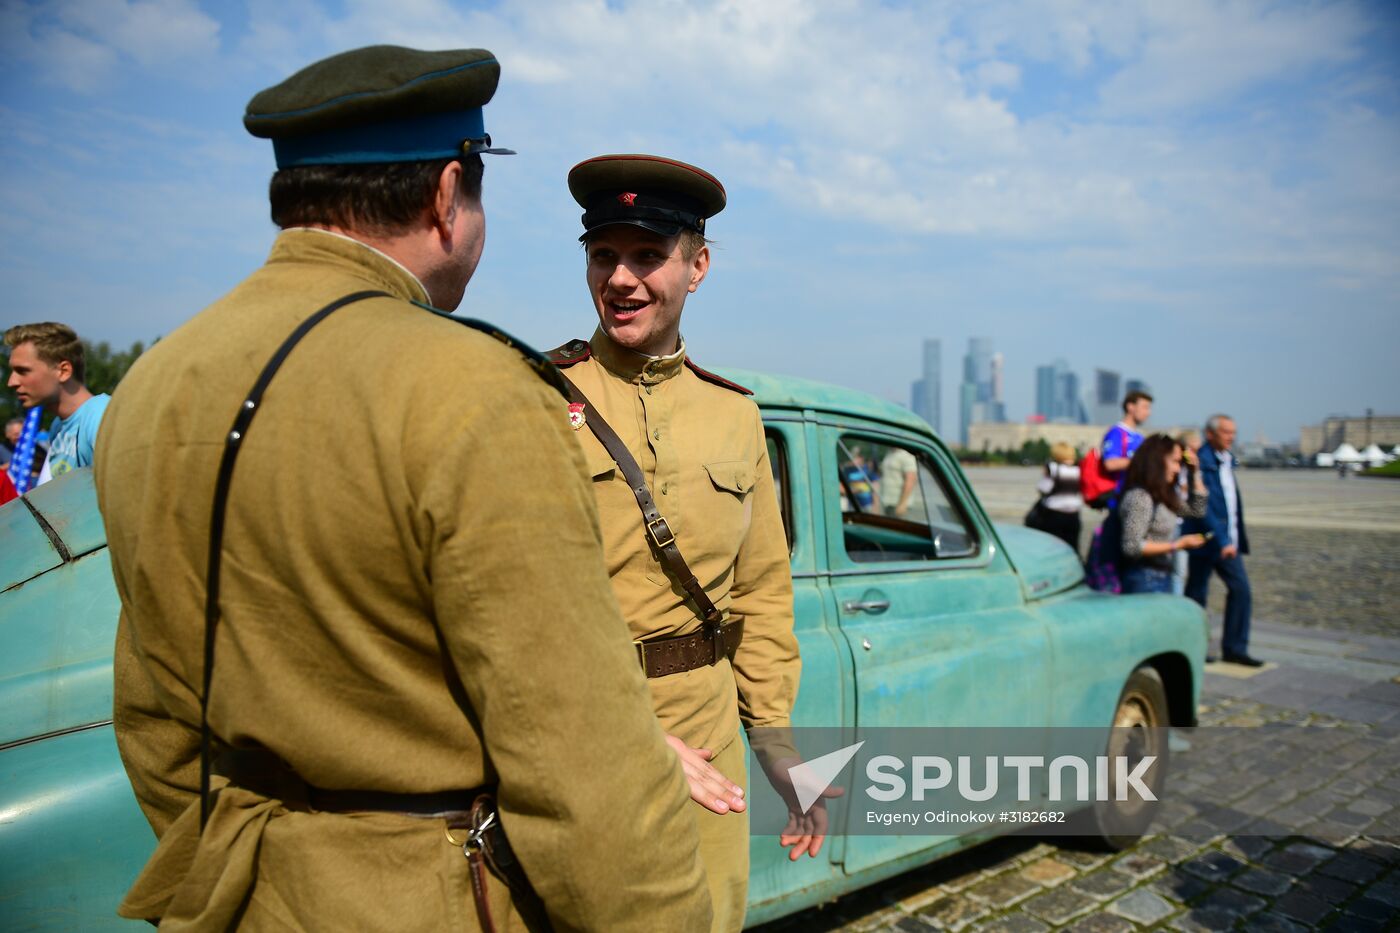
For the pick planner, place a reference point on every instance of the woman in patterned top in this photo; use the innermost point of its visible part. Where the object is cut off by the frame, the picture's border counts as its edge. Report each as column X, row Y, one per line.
column 1149, row 511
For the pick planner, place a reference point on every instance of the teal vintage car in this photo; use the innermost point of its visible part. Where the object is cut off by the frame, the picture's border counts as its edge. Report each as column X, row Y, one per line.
column 912, row 608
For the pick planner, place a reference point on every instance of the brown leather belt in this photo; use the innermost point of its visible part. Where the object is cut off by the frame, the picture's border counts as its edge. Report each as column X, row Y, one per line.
column 262, row 772
column 678, row 653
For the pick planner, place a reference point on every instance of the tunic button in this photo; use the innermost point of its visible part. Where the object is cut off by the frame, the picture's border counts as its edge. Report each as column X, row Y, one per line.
column 648, row 388
column 656, row 435
column 664, row 487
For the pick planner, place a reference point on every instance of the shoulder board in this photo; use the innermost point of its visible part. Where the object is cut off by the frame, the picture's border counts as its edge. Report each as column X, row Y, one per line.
column 532, row 357
column 717, row 380
column 575, row 351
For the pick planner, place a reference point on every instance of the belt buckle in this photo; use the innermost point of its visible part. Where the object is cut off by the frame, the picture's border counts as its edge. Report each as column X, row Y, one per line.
column 665, row 528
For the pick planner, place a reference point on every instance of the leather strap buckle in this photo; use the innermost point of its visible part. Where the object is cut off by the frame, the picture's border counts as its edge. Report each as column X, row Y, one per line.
column 658, row 527
column 716, row 635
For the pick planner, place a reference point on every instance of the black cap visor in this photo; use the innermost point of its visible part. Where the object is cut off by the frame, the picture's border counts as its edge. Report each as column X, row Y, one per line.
column 663, row 221
column 482, row 146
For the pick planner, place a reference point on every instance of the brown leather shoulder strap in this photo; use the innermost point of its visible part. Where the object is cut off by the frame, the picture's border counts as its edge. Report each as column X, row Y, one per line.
column 658, row 530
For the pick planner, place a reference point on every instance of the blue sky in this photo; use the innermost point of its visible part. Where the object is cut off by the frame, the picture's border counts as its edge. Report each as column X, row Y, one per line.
column 1201, row 194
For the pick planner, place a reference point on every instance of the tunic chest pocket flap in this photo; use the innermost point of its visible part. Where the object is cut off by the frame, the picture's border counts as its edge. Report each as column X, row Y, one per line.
column 600, row 465
column 734, row 476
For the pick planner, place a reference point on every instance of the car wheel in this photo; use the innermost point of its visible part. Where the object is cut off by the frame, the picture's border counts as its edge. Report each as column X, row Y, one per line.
column 1140, row 728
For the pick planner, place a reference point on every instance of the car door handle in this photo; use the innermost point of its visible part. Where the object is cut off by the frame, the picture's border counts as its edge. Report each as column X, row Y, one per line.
column 872, row 606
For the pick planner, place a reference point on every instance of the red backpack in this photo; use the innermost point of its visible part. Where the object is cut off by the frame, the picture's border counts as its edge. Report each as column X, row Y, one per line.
column 1094, row 484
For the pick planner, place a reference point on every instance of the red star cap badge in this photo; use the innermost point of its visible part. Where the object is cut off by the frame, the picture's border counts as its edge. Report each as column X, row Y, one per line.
column 627, row 198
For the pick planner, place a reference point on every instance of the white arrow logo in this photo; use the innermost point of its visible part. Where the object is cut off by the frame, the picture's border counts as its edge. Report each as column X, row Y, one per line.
column 811, row 778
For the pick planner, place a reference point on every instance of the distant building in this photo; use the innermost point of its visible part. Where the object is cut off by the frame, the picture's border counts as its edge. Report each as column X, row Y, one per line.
column 993, row 436
column 1108, row 397
column 1136, row 385
column 926, row 396
column 1057, row 394
column 979, row 397
column 1360, row 433
column 998, row 387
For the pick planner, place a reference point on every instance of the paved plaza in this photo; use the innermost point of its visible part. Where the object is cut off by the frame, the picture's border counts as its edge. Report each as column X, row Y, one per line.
column 1306, row 751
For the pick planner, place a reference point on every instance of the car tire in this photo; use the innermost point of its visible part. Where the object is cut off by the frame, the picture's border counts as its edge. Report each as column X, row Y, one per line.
column 1141, row 723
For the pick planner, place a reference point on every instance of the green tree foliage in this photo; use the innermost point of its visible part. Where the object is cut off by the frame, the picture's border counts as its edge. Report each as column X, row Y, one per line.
column 105, row 368
column 1037, row 451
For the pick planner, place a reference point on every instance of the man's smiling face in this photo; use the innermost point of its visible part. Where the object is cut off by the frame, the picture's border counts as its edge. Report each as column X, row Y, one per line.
column 639, row 281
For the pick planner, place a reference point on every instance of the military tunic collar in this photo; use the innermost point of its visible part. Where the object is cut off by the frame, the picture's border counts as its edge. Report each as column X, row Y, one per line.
column 634, row 366
column 310, row 244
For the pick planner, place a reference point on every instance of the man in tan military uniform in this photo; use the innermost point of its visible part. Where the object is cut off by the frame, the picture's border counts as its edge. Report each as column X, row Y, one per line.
column 413, row 598
column 699, row 443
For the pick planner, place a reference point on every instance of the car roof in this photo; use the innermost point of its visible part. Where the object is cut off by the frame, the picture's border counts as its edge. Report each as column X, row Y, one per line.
column 49, row 526
column 774, row 391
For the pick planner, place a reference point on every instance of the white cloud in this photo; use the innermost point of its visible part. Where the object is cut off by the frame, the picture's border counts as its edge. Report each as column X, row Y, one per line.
column 1200, row 53
column 78, row 44
column 1161, row 156
column 905, row 118
column 152, row 32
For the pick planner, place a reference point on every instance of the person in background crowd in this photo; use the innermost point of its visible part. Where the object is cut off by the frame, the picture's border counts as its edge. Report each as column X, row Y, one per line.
column 1149, row 510
column 1190, row 442
column 13, row 428
column 1057, row 510
column 46, row 368
column 1224, row 554
column 899, row 486
column 858, row 476
column 1122, row 440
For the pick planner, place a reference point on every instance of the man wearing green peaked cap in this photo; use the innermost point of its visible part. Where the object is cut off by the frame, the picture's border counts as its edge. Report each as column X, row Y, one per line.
column 405, row 641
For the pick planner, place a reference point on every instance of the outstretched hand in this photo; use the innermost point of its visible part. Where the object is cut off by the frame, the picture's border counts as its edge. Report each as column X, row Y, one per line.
column 804, row 832
column 708, row 786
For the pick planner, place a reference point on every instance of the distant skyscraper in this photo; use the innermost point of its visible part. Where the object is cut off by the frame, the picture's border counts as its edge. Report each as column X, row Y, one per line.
column 978, row 396
column 926, row 397
column 1108, row 396
column 1136, row 385
column 1057, row 394
column 998, row 385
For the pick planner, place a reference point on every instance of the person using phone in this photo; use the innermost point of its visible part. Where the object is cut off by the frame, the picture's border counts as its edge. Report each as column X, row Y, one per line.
column 1149, row 512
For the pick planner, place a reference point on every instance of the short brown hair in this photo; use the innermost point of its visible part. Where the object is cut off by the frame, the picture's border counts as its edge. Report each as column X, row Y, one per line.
column 381, row 198
column 692, row 241
column 55, row 343
column 1135, row 396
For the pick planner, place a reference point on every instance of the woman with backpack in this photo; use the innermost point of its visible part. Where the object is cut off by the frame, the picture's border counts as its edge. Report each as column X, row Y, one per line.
column 1148, row 513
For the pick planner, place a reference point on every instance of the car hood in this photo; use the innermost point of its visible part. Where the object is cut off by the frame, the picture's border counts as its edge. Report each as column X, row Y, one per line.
column 1046, row 564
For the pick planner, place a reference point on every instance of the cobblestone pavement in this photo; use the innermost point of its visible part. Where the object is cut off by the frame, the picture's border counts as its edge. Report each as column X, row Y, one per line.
column 1331, row 635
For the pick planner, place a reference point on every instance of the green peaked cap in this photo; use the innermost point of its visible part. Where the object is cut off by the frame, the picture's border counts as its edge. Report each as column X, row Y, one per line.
column 382, row 103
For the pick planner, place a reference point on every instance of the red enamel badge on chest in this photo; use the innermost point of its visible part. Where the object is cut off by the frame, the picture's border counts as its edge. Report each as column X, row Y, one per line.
column 576, row 416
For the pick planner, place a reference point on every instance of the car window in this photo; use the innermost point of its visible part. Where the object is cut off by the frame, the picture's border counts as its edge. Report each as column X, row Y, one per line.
column 777, row 459
column 894, row 506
